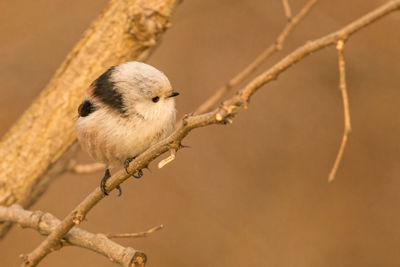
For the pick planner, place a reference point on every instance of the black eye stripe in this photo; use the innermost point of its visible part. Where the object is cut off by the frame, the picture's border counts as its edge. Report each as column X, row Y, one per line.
column 106, row 91
column 155, row 99
column 86, row 108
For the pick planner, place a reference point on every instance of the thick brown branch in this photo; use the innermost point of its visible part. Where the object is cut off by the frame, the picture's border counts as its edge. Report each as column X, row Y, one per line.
column 45, row 223
column 34, row 149
column 240, row 77
column 346, row 110
column 218, row 116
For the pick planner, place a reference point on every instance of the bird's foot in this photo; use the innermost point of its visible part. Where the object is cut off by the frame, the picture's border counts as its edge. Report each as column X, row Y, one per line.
column 107, row 175
column 119, row 190
column 127, row 162
column 137, row 175
column 103, row 182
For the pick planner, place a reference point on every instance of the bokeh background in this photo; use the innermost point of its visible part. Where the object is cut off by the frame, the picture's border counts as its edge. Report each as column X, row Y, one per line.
column 254, row 193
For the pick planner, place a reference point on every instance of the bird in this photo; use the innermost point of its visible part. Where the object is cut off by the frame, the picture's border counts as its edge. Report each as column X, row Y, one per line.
column 127, row 109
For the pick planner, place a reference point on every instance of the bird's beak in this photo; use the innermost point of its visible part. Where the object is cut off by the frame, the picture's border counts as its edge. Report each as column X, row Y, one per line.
column 173, row 94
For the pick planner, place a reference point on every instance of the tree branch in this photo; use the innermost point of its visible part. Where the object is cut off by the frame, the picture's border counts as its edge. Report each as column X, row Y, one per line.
column 245, row 73
column 86, row 168
column 45, row 223
column 38, row 147
column 287, row 9
column 346, row 110
column 139, row 234
column 220, row 115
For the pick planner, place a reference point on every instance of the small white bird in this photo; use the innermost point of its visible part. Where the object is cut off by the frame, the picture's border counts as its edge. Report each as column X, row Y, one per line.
column 124, row 111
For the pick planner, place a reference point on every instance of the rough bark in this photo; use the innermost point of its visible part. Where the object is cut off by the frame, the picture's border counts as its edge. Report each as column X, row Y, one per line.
column 33, row 151
column 45, row 223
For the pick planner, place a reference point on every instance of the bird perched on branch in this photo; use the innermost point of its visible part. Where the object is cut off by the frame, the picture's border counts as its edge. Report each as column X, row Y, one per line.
column 124, row 111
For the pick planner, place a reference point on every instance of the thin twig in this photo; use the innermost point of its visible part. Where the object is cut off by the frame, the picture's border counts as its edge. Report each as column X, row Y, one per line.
column 139, row 234
column 45, row 223
column 287, row 9
column 241, row 76
column 346, row 110
column 227, row 110
column 86, row 168
column 167, row 160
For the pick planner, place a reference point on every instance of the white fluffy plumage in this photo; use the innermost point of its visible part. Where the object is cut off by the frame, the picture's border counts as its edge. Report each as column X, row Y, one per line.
column 126, row 110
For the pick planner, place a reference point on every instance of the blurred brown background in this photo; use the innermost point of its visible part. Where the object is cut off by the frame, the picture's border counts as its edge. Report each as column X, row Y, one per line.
column 254, row 193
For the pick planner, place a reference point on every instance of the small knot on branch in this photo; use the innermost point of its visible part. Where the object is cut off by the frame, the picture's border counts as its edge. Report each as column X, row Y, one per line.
column 185, row 118
column 241, row 102
column 147, row 25
column 37, row 217
column 278, row 45
column 57, row 246
column 24, row 258
column 229, row 109
column 228, row 121
column 340, row 45
column 138, row 260
column 78, row 217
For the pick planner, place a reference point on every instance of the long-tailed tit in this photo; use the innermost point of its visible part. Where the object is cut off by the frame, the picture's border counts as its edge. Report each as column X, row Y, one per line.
column 124, row 111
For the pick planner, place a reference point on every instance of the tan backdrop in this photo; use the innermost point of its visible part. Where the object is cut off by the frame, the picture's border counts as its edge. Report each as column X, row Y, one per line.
column 254, row 193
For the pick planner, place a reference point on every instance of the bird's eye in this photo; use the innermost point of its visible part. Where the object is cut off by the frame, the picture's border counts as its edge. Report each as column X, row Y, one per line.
column 155, row 99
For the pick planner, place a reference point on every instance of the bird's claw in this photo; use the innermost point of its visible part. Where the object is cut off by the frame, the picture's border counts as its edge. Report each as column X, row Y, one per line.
column 126, row 165
column 103, row 182
column 127, row 162
column 107, row 175
column 139, row 174
column 119, row 190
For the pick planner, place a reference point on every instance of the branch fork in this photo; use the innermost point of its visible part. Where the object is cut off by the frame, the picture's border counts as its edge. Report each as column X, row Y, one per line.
column 46, row 223
column 206, row 117
column 346, row 110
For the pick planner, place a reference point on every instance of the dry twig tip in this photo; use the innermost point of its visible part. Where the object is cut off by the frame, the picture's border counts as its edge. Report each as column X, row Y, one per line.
column 167, row 160
column 139, row 234
column 286, row 8
column 346, row 110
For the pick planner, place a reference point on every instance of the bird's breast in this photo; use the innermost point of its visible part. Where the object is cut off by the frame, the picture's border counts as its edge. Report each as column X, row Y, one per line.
column 111, row 139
